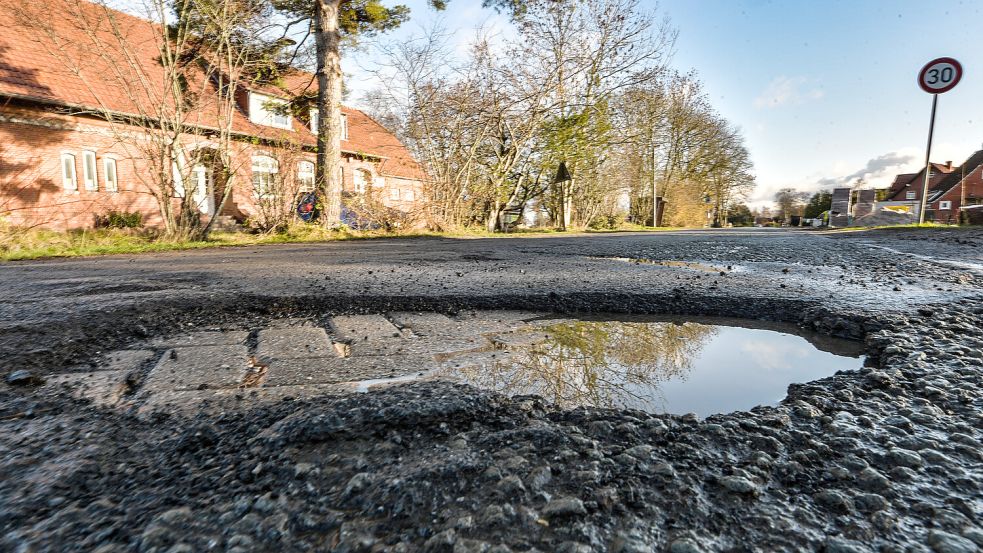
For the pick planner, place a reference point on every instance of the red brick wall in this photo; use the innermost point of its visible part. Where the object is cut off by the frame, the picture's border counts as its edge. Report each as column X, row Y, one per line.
column 31, row 188
column 32, row 193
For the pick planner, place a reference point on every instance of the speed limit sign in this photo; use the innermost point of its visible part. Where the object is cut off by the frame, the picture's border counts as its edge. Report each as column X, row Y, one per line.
column 940, row 75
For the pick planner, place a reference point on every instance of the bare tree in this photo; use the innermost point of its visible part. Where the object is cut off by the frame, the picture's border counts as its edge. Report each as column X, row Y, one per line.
column 167, row 86
column 789, row 201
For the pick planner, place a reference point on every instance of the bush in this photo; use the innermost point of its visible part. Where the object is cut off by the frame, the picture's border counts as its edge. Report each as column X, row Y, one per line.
column 119, row 219
column 607, row 222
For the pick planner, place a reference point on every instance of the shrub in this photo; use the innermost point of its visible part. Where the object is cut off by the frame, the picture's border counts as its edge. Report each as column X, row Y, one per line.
column 606, row 222
column 119, row 219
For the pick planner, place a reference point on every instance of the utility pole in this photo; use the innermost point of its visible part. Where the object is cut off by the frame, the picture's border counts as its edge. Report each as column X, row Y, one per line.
column 655, row 189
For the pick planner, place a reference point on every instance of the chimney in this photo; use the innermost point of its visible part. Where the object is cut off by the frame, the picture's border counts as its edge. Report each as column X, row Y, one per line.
column 948, row 165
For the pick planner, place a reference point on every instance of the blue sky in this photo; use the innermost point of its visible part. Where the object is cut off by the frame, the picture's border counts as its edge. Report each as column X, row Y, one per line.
column 824, row 91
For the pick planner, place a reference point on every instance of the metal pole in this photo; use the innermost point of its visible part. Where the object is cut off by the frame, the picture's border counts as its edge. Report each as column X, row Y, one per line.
column 655, row 201
column 928, row 164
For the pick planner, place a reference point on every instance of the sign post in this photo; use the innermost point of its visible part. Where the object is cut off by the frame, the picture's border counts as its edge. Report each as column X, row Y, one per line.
column 938, row 76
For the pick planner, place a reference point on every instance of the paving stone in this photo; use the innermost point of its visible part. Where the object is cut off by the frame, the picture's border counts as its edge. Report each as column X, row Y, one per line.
column 191, row 368
column 293, row 343
column 483, row 359
column 126, row 360
column 521, row 338
column 363, row 327
column 104, row 388
column 202, row 338
column 485, row 322
column 194, row 399
column 331, row 370
column 435, row 346
column 426, row 324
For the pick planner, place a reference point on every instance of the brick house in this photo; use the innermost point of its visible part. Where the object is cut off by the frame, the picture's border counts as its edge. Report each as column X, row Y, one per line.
column 62, row 163
column 949, row 190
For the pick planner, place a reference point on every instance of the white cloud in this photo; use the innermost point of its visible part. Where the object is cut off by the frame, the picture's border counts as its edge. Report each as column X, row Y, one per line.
column 784, row 91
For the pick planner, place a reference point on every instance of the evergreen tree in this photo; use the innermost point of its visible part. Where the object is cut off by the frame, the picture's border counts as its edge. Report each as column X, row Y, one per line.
column 819, row 202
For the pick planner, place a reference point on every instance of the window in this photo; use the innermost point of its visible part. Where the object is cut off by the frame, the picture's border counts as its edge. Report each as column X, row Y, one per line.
column 305, row 176
column 109, row 174
column 394, row 194
column 265, row 169
column 408, row 195
column 361, row 180
column 89, row 170
column 269, row 111
column 68, row 172
column 909, row 196
column 315, row 117
column 945, row 205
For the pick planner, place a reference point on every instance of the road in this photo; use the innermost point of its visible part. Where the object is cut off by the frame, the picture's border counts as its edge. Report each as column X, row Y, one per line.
column 54, row 311
column 884, row 458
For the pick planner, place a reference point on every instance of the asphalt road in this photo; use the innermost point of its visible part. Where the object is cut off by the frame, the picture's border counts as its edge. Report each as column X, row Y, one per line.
column 54, row 311
column 884, row 458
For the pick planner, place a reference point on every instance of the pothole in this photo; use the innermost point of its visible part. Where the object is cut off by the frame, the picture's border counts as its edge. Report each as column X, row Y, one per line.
column 701, row 366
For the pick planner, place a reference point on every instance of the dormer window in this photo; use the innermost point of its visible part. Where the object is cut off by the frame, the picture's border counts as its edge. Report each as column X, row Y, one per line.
column 315, row 118
column 269, row 111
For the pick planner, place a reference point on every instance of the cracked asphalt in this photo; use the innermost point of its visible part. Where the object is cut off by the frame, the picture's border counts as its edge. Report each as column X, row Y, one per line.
column 885, row 458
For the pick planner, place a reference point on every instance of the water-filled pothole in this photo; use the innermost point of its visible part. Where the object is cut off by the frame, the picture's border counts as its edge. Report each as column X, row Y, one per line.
column 706, row 367
column 701, row 366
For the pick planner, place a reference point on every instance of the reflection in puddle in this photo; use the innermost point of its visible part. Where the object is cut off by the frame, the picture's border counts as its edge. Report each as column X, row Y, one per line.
column 654, row 366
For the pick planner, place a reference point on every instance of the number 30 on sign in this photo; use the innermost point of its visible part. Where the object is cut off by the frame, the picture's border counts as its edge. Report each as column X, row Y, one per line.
column 940, row 75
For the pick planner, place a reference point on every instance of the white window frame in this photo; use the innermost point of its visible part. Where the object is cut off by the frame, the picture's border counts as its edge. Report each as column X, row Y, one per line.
column 305, row 175
column 394, row 194
column 910, row 195
column 91, row 181
column 359, row 183
column 264, row 165
column 69, row 182
column 110, row 184
column 315, row 122
column 945, row 205
column 261, row 114
column 408, row 195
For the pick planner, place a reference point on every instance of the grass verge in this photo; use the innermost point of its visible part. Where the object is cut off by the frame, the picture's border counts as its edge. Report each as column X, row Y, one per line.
column 21, row 244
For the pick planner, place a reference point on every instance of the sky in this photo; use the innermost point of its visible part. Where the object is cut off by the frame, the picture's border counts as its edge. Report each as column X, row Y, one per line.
column 825, row 92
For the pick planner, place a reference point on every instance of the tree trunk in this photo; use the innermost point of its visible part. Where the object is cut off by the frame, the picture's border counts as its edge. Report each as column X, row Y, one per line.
column 328, row 41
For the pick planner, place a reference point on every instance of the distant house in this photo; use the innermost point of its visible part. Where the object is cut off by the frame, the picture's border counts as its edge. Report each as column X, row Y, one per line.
column 61, row 166
column 949, row 190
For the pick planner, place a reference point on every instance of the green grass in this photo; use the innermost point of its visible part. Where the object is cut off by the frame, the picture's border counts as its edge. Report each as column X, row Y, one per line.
column 23, row 244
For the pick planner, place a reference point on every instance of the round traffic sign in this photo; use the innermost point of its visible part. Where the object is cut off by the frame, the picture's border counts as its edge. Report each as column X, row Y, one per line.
column 940, row 75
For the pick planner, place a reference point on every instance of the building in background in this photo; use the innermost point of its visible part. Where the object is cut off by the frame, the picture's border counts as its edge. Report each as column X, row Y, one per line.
column 62, row 165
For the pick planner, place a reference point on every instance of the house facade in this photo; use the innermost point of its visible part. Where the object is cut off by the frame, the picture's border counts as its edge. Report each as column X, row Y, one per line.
column 63, row 163
column 950, row 190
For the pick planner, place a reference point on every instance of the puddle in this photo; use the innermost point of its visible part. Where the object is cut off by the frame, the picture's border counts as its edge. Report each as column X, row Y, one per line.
column 703, row 267
column 700, row 366
column 657, row 366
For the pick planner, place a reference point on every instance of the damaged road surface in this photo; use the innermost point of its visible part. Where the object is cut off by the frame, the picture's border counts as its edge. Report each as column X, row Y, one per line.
column 250, row 399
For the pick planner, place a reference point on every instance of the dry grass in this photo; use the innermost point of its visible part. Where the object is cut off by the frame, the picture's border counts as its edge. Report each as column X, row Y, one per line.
column 21, row 244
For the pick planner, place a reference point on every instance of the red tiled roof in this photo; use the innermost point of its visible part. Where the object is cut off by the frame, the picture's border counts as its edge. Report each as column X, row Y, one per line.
column 33, row 66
